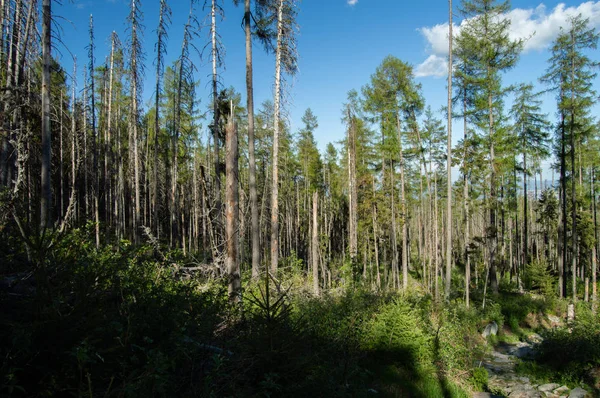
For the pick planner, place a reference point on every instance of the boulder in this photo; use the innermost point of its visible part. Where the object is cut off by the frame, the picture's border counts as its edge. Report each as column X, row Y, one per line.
column 490, row 330
column 578, row 393
column 548, row 387
column 562, row 390
column 534, row 338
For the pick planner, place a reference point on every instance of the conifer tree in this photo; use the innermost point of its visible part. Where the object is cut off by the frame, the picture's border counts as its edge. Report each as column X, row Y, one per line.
column 487, row 33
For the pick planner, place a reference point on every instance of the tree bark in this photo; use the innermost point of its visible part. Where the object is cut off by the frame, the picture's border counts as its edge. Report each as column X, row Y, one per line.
column 46, row 199
column 315, row 245
column 232, row 211
column 352, row 190
column 275, row 162
column 449, row 163
column 403, row 212
column 255, row 233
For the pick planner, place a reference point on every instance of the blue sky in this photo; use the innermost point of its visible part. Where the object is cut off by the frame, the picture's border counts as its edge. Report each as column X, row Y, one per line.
column 340, row 44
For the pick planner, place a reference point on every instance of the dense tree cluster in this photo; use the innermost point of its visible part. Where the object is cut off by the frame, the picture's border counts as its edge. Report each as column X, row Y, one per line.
column 379, row 209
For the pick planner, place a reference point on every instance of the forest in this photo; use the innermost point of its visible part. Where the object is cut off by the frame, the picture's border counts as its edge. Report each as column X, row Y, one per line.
column 153, row 244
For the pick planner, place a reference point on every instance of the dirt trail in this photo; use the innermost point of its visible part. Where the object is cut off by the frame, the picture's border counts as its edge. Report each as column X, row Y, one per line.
column 503, row 379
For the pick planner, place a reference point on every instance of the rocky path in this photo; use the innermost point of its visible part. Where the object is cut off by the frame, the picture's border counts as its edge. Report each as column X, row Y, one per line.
column 504, row 380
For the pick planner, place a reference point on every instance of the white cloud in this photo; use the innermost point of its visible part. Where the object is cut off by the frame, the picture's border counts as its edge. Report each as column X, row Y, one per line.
column 352, row 2
column 434, row 65
column 533, row 24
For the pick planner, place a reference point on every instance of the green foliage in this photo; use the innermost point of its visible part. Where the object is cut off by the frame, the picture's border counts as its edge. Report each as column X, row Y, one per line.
column 537, row 277
column 108, row 321
column 398, row 327
column 516, row 307
column 479, row 379
column 576, row 348
column 457, row 341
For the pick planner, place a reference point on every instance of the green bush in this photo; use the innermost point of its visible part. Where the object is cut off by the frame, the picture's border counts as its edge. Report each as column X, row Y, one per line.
column 479, row 379
column 397, row 327
column 575, row 350
column 537, row 277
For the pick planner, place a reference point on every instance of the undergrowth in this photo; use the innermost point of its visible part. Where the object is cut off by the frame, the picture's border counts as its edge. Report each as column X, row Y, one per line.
column 120, row 321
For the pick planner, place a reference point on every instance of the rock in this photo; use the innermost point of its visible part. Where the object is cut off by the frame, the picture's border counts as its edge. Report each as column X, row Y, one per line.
column 485, row 395
column 570, row 313
column 548, row 394
column 578, row 393
column 548, row 387
column 554, row 320
column 561, row 390
column 534, row 338
column 522, row 350
column 490, row 330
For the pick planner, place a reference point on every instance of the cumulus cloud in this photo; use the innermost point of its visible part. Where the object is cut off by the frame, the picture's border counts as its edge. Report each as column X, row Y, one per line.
column 434, row 65
column 535, row 25
column 352, row 2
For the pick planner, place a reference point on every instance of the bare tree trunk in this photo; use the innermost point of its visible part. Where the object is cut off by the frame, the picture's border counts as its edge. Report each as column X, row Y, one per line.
column 574, row 243
column 133, row 120
column 276, row 115
column 352, row 190
column 232, row 211
column 96, row 175
column 46, row 199
column 255, row 233
column 216, row 116
column 594, row 248
column 404, row 213
column 449, row 163
column 73, row 135
column 375, row 238
column 108, row 158
column 466, row 205
column 393, row 238
column 492, row 235
column 160, row 49
column 315, row 246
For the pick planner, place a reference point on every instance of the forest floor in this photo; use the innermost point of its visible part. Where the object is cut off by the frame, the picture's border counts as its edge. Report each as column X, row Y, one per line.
column 506, row 377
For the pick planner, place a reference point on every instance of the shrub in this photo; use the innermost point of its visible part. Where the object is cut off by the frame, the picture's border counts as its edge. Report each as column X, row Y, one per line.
column 573, row 351
column 537, row 277
column 397, row 327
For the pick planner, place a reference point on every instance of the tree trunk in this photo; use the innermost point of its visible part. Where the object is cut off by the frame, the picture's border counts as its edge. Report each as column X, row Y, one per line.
column 449, row 163
column 403, row 212
column 46, row 199
column 594, row 248
column 525, row 215
column 562, row 264
column 352, row 190
column 232, row 211
column 492, row 228
column 315, row 246
column 216, row 116
column 466, row 210
column 255, row 233
column 276, row 114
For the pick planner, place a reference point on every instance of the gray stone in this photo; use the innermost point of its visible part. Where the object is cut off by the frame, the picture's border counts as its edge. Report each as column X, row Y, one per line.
column 490, row 330
column 561, row 390
column 549, row 394
column 534, row 338
column 522, row 350
column 578, row 393
column 485, row 395
column 548, row 387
